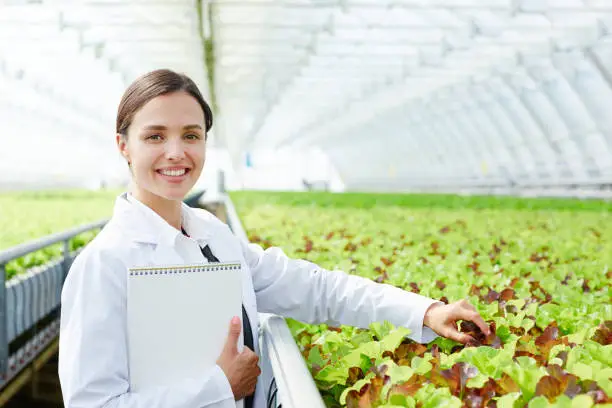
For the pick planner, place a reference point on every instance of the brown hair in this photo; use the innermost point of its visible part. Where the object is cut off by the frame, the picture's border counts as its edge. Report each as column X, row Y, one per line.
column 152, row 85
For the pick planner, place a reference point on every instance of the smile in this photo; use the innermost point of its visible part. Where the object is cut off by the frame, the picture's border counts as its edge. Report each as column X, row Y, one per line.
column 173, row 173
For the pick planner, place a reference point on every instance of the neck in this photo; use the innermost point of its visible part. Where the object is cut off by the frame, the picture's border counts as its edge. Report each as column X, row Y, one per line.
column 169, row 210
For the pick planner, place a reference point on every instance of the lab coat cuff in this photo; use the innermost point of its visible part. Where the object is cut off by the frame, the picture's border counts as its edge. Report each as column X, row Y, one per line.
column 222, row 383
column 424, row 334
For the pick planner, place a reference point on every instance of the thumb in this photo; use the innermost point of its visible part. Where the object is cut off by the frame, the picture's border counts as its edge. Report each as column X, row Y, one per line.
column 231, row 344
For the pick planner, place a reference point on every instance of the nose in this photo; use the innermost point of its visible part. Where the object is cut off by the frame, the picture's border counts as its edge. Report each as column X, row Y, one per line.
column 175, row 150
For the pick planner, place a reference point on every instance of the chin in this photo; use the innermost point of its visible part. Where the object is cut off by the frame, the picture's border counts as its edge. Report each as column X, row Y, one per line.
column 170, row 194
column 177, row 195
column 166, row 191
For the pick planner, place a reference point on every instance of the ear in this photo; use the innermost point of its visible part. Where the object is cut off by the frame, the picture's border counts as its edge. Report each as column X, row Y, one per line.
column 122, row 146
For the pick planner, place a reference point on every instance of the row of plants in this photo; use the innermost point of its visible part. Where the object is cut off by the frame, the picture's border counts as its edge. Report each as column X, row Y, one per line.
column 537, row 270
column 27, row 216
column 30, row 215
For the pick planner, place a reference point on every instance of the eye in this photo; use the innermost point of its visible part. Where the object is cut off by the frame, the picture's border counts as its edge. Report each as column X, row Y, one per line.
column 193, row 136
column 154, row 137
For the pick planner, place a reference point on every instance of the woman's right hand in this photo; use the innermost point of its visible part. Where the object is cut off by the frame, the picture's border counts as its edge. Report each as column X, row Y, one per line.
column 240, row 368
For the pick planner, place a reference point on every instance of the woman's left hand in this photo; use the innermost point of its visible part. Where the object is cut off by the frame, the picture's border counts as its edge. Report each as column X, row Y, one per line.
column 442, row 319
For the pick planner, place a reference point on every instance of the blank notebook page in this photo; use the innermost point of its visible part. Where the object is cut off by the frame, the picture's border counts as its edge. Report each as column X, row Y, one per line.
column 178, row 320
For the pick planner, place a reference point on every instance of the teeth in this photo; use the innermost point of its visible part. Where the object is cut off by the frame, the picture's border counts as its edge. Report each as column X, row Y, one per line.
column 173, row 173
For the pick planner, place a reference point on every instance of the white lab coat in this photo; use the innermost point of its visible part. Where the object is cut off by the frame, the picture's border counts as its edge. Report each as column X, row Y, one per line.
column 93, row 368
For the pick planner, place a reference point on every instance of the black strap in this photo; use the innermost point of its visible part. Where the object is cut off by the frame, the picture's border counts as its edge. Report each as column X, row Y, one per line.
column 248, row 334
column 246, row 324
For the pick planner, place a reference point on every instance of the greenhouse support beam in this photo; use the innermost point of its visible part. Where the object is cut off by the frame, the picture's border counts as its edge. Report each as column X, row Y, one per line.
column 596, row 60
column 429, row 6
column 536, row 119
column 3, row 321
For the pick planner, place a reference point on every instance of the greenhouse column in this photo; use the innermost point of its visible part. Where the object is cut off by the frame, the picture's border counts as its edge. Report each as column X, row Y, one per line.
column 3, row 325
column 221, row 181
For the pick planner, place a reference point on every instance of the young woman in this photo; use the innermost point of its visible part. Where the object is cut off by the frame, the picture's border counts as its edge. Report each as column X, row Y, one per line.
column 162, row 126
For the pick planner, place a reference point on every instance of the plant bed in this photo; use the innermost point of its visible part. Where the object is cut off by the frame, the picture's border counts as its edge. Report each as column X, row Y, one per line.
column 537, row 270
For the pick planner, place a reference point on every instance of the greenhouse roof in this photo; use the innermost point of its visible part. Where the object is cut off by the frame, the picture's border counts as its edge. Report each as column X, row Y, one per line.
column 510, row 90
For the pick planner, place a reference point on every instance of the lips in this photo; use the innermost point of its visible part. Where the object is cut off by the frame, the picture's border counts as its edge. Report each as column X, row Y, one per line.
column 174, row 174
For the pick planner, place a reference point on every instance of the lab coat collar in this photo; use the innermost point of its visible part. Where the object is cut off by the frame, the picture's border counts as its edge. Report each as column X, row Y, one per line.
column 144, row 225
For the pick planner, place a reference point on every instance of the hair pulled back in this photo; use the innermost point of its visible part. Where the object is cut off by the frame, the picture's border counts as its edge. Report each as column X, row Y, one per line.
column 151, row 85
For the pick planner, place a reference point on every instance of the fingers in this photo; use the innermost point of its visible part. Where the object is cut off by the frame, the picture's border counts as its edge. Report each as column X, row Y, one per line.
column 469, row 312
column 476, row 318
column 253, row 360
column 248, row 353
column 254, row 373
column 248, row 371
column 467, row 305
column 251, row 386
column 249, row 359
column 248, row 387
column 459, row 337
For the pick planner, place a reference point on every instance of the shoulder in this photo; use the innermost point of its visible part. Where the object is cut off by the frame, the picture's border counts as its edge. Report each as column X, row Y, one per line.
column 109, row 242
column 94, row 293
column 102, row 260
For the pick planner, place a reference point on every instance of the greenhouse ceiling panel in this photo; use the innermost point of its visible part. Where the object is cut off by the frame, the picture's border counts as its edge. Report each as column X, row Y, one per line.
column 299, row 73
column 532, row 75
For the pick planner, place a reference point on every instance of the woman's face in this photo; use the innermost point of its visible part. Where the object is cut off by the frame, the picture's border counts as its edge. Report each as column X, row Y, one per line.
column 166, row 146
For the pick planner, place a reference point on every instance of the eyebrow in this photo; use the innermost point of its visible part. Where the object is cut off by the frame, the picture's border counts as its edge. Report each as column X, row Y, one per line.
column 160, row 127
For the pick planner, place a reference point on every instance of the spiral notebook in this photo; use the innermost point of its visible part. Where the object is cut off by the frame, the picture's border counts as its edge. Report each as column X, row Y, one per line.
column 178, row 320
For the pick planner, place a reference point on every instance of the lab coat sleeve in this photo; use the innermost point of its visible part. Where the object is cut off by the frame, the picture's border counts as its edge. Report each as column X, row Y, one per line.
column 93, row 368
column 302, row 290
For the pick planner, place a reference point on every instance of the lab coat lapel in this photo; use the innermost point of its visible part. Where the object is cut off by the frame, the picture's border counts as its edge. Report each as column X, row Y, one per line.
column 167, row 256
column 146, row 229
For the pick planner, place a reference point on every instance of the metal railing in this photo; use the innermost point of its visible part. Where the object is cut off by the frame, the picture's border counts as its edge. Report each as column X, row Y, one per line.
column 295, row 387
column 30, row 301
column 291, row 384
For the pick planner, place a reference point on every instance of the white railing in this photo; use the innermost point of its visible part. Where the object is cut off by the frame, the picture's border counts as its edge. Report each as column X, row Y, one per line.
column 289, row 383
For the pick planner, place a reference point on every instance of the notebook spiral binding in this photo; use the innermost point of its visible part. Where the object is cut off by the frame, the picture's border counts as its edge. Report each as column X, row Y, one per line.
column 169, row 270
